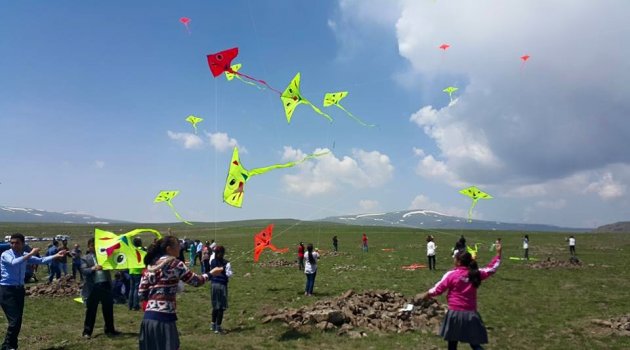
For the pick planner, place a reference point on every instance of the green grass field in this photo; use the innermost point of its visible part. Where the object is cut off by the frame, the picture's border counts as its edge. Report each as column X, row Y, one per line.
column 523, row 308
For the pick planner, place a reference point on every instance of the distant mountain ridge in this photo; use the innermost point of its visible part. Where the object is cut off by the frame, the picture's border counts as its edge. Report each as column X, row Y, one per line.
column 16, row 214
column 428, row 219
column 622, row 226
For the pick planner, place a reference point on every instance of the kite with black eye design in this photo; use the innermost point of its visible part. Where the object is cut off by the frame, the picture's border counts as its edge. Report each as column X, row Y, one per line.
column 117, row 252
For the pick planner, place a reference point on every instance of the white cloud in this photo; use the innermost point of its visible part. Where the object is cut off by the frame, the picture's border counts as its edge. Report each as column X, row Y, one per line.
column 606, row 187
column 188, row 140
column 419, row 152
column 222, row 142
column 431, row 168
column 99, row 164
column 327, row 173
column 368, row 205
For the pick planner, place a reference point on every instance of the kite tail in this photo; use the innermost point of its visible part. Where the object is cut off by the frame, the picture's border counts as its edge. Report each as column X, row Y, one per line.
column 258, row 80
column 318, row 111
column 177, row 214
column 276, row 249
column 249, row 83
column 355, row 118
column 259, row 171
column 470, row 210
column 195, row 126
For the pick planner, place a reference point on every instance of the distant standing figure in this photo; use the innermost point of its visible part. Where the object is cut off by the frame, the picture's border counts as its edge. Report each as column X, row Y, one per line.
column 365, row 243
column 301, row 256
column 63, row 262
column 220, row 271
column 134, row 280
column 335, row 244
column 76, row 262
column 310, row 269
column 54, row 267
column 460, row 245
column 431, row 252
column 572, row 245
column 526, row 247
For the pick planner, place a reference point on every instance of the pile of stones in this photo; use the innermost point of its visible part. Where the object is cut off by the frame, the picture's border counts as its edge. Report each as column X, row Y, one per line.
column 354, row 314
column 279, row 263
column 65, row 286
column 620, row 325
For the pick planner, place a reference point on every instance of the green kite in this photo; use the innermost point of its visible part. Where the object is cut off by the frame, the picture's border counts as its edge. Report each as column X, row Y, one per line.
column 167, row 196
column 237, row 177
column 115, row 252
column 194, row 120
column 291, row 98
column 230, row 75
column 476, row 194
column 449, row 90
column 334, row 98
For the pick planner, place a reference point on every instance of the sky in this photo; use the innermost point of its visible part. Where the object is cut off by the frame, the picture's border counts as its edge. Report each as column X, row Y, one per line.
column 94, row 97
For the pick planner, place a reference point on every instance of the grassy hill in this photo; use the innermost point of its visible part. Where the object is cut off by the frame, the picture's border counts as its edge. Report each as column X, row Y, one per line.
column 523, row 308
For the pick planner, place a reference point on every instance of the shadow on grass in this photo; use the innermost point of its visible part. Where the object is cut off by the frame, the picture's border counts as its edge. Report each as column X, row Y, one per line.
column 123, row 335
column 293, row 334
column 240, row 329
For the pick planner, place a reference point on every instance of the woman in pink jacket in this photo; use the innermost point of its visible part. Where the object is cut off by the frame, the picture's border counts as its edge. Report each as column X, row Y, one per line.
column 462, row 322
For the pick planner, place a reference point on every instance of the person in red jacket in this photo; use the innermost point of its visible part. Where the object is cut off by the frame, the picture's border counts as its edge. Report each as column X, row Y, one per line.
column 301, row 256
column 365, row 242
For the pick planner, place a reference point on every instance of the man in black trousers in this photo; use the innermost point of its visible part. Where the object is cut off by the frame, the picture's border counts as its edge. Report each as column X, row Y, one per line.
column 97, row 288
column 14, row 263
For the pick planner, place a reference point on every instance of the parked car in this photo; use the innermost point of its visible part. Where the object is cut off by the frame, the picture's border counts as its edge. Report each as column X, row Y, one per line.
column 62, row 237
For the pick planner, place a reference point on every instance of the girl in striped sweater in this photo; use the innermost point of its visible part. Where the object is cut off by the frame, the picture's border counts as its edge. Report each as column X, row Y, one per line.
column 157, row 290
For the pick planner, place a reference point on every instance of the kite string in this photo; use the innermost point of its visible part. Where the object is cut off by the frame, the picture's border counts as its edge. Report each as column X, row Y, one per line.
column 254, row 79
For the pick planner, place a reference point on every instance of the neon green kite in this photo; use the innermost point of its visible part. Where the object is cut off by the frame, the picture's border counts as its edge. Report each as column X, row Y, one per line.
column 449, row 90
column 476, row 194
column 167, row 197
column 473, row 251
column 291, row 98
column 115, row 252
column 334, row 98
column 229, row 75
column 194, row 120
column 237, row 177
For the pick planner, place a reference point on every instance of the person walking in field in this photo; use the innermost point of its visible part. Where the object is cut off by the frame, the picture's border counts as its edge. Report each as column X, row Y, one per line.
column 364, row 242
column 221, row 271
column 571, row 241
column 526, row 247
column 335, row 243
column 462, row 322
column 310, row 269
column 301, row 256
column 431, row 247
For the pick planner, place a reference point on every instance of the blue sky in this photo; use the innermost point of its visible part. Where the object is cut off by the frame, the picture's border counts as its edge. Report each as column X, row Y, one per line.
column 94, row 97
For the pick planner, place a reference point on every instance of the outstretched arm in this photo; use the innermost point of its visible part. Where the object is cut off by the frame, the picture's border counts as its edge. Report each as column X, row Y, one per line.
column 492, row 267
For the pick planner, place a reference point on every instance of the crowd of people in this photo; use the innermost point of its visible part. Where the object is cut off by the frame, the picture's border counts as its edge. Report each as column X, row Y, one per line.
column 154, row 288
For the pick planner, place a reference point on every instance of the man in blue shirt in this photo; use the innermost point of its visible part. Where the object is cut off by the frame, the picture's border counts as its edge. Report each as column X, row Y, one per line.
column 55, row 266
column 14, row 263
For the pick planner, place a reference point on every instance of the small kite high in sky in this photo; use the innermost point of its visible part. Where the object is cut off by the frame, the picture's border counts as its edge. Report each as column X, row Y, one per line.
column 221, row 62
column 237, row 177
column 194, row 120
column 167, row 197
column 334, row 98
column 444, row 47
column 524, row 58
column 475, row 194
column 449, row 90
column 185, row 21
column 115, row 252
column 292, row 97
column 262, row 240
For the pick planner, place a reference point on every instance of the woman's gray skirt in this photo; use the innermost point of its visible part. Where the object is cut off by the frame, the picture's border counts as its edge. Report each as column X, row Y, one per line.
column 158, row 335
column 464, row 326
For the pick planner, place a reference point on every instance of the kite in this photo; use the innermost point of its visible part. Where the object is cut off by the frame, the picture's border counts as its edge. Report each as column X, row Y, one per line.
column 414, row 267
column 387, row 249
column 167, row 196
column 185, row 21
column 334, row 98
column 231, row 76
column 449, row 90
column 476, row 194
column 78, row 300
column 473, row 251
column 524, row 58
column 291, row 98
column 444, row 47
column 221, row 62
column 237, row 177
column 262, row 240
column 115, row 252
column 194, row 120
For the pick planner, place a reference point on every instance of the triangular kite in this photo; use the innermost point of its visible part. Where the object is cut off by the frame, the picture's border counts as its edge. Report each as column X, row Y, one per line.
column 475, row 194
column 194, row 120
column 291, row 98
column 235, row 68
column 449, row 90
column 221, row 62
column 334, row 98
column 234, row 189
column 262, row 240
column 167, row 196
